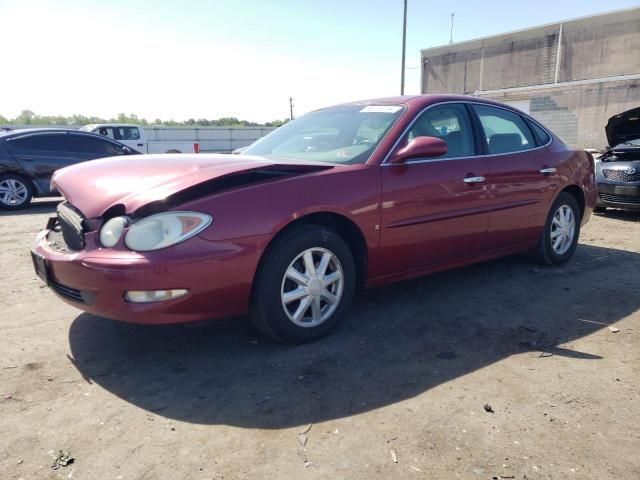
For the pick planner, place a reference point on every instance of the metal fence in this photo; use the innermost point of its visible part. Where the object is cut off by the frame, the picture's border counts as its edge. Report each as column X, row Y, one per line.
column 210, row 139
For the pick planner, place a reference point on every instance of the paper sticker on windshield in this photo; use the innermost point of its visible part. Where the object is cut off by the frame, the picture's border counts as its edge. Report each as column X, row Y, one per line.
column 380, row 109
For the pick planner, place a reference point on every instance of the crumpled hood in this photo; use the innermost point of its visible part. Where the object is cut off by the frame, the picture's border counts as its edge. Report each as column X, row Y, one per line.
column 134, row 181
column 623, row 127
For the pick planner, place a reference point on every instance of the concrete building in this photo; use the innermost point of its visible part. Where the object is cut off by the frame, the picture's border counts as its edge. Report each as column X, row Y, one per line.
column 571, row 76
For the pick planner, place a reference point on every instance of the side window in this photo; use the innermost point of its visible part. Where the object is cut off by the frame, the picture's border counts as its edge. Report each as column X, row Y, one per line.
column 49, row 142
column 127, row 133
column 504, row 131
column 542, row 137
column 87, row 144
column 107, row 132
column 449, row 122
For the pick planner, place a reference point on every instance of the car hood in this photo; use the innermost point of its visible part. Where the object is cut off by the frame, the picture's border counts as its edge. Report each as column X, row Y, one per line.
column 623, row 127
column 133, row 182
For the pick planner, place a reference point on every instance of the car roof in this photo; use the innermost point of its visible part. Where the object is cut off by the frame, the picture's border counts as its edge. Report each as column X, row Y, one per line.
column 98, row 125
column 419, row 101
column 30, row 131
column 21, row 132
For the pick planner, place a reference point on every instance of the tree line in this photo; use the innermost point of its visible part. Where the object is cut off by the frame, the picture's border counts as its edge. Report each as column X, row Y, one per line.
column 27, row 117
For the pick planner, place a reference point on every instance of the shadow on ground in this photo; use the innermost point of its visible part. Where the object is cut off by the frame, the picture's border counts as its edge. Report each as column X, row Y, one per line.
column 627, row 215
column 396, row 343
column 41, row 205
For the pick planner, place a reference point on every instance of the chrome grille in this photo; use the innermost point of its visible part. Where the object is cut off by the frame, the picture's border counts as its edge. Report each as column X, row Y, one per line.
column 619, row 175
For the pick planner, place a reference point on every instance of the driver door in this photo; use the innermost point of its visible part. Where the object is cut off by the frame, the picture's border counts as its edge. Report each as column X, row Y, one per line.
column 434, row 210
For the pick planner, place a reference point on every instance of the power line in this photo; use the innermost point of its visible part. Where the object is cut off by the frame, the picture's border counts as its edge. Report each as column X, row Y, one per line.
column 404, row 46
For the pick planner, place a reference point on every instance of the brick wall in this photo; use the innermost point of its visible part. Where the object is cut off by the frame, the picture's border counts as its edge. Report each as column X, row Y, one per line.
column 578, row 114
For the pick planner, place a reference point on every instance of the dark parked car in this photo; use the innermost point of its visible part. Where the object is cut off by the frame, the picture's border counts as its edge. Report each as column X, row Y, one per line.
column 28, row 159
column 392, row 189
column 618, row 169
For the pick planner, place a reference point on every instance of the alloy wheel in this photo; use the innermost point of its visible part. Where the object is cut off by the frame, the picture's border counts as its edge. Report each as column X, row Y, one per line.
column 13, row 192
column 312, row 287
column 563, row 229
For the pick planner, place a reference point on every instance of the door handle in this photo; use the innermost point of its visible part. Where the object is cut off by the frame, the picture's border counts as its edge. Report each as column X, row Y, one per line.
column 547, row 171
column 473, row 179
column 140, row 144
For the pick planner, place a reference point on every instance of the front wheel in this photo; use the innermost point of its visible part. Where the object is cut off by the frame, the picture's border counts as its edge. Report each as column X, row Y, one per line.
column 561, row 231
column 304, row 285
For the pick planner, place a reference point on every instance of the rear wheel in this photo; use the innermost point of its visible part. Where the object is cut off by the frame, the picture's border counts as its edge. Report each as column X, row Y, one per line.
column 304, row 285
column 561, row 231
column 15, row 192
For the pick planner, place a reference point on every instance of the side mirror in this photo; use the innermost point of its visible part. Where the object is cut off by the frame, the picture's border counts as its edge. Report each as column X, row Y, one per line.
column 126, row 150
column 420, row 147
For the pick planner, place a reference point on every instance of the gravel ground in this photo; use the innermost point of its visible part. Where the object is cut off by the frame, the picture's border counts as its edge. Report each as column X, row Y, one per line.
column 398, row 392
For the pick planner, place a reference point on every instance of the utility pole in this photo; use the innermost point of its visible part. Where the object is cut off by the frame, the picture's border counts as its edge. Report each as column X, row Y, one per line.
column 451, row 35
column 290, row 108
column 404, row 46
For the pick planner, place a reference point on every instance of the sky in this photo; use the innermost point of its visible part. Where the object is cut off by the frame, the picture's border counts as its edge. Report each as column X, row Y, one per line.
column 183, row 59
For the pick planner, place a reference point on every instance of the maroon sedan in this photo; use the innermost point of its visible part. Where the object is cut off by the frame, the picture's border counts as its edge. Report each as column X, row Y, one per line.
column 350, row 196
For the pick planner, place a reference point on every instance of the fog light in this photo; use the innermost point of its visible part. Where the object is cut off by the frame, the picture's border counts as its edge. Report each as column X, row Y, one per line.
column 148, row 296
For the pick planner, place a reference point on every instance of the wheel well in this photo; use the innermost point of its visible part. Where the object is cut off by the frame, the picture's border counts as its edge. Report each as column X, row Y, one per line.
column 344, row 227
column 578, row 194
column 27, row 180
column 173, row 150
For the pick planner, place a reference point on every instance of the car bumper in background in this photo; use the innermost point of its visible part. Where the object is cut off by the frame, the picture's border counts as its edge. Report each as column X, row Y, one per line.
column 619, row 196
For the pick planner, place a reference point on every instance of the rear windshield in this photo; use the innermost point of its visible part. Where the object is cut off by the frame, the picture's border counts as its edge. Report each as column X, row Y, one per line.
column 345, row 134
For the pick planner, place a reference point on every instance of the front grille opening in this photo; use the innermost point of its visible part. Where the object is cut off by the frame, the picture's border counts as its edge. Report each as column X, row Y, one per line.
column 72, row 294
column 634, row 200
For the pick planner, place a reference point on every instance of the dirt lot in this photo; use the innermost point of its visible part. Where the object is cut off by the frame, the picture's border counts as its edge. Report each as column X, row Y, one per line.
column 398, row 392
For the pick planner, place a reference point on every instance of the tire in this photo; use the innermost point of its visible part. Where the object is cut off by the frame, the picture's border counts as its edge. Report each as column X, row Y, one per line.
column 294, row 320
column 173, row 151
column 15, row 192
column 545, row 252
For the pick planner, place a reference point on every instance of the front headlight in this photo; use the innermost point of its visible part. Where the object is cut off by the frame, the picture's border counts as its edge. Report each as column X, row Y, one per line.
column 112, row 230
column 165, row 229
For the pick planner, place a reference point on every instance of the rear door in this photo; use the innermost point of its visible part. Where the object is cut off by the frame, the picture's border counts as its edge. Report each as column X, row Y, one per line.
column 434, row 210
column 130, row 136
column 41, row 154
column 522, row 178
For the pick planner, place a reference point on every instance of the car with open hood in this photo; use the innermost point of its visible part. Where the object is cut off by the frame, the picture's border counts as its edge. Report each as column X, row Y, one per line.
column 356, row 195
column 618, row 169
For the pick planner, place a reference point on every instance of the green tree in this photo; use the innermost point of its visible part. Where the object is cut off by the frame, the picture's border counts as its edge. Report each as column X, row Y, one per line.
column 25, row 117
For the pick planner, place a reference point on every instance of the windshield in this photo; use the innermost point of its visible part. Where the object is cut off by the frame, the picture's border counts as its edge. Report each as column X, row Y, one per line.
column 345, row 134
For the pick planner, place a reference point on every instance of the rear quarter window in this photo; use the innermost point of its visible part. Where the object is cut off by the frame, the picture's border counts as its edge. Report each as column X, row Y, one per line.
column 504, row 131
column 542, row 137
column 92, row 145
